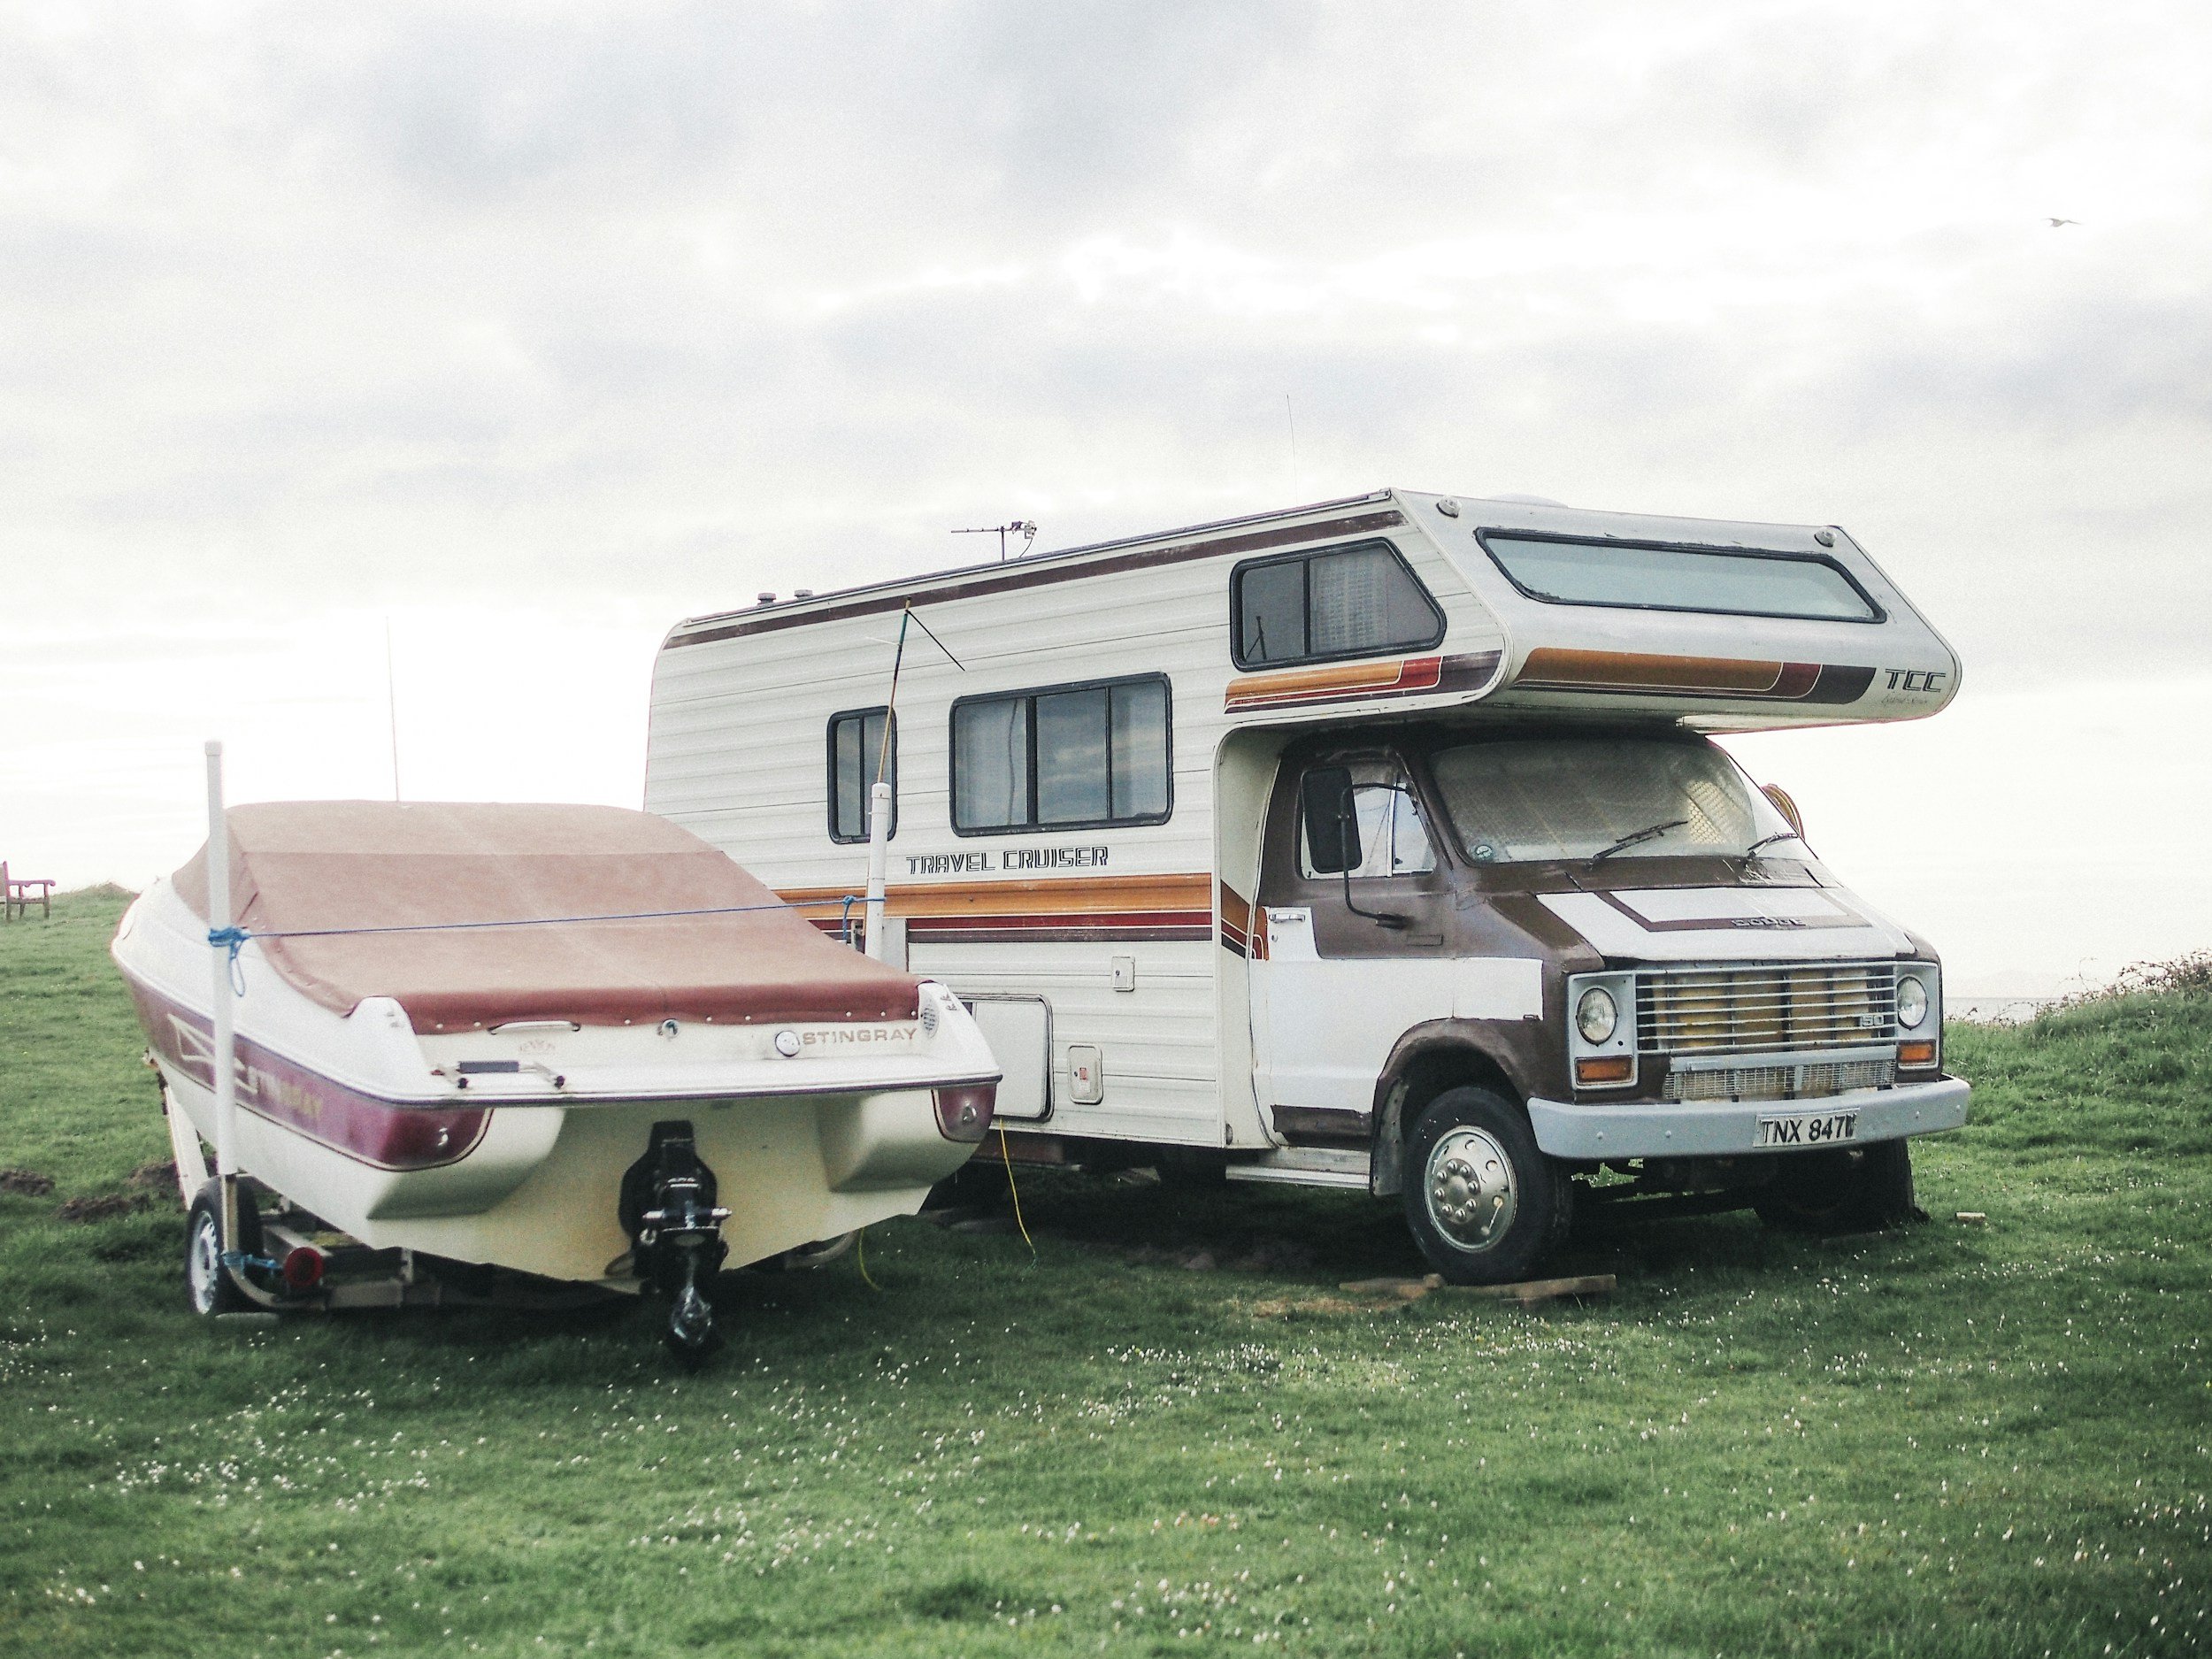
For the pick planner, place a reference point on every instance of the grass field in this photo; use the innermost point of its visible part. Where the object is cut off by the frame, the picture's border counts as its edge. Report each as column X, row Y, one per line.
column 1988, row 1439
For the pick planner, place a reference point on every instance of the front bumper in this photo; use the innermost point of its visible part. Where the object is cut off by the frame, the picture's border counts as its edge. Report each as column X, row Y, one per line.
column 1656, row 1129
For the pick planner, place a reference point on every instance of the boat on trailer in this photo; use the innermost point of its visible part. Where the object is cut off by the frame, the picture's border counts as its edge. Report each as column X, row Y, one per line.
column 489, row 1052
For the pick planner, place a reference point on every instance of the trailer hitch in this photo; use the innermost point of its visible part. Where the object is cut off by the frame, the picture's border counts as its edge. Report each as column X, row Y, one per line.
column 668, row 1209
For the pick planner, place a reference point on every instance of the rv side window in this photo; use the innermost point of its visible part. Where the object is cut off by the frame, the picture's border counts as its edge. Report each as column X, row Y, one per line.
column 1061, row 757
column 856, row 750
column 1314, row 607
column 1656, row 576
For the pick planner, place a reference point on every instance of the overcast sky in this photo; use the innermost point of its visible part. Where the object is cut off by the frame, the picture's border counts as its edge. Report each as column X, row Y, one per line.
column 530, row 330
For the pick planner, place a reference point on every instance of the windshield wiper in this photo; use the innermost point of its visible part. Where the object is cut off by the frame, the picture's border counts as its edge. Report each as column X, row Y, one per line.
column 1769, row 841
column 1634, row 837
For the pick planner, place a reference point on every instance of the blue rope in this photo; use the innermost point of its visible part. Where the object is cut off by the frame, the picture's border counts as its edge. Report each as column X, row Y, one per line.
column 234, row 938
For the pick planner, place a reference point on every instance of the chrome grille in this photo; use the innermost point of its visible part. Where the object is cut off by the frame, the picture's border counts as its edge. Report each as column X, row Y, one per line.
column 1771, row 1006
column 1781, row 1082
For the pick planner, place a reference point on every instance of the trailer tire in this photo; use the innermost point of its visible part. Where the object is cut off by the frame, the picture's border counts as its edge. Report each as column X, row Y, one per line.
column 1482, row 1201
column 208, row 1289
column 1858, row 1189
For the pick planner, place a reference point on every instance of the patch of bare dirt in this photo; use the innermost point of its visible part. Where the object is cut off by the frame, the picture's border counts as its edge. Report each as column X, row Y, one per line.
column 26, row 1183
column 106, row 1207
column 1262, row 1255
column 158, row 1179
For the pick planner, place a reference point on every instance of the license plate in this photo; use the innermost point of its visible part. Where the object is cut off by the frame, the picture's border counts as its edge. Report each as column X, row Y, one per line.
column 1809, row 1129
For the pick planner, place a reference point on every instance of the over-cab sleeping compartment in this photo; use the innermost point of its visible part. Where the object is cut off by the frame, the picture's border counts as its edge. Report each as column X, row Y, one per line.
column 1725, row 626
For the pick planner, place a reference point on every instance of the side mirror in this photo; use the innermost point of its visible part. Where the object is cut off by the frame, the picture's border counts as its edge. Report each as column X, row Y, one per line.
column 1325, row 798
column 1786, row 806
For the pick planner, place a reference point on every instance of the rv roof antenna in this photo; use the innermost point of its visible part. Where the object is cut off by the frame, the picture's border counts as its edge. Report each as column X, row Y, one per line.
column 1026, row 528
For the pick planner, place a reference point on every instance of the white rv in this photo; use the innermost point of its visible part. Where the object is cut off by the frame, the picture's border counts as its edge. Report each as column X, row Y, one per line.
column 1377, row 843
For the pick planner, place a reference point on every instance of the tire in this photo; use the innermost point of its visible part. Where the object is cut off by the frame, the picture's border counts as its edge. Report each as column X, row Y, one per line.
column 1855, row 1189
column 208, row 1289
column 1186, row 1171
column 1482, row 1201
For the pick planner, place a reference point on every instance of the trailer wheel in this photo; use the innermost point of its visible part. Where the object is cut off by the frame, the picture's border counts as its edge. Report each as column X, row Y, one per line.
column 1483, row 1201
column 1855, row 1189
column 208, row 1289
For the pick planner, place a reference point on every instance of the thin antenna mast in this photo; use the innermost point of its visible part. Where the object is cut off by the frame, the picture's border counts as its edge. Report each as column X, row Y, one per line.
column 1290, row 419
column 391, row 704
column 876, row 942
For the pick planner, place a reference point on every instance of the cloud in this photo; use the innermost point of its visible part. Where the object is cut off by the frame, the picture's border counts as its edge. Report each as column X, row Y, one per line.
column 311, row 310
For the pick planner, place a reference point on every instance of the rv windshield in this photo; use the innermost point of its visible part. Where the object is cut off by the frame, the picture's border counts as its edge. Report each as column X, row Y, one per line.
column 1521, row 800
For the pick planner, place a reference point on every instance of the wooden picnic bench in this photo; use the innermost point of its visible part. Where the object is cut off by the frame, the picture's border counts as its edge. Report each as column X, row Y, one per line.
column 18, row 892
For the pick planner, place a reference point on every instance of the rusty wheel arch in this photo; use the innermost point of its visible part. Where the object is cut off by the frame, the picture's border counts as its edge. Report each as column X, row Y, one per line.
column 1424, row 1065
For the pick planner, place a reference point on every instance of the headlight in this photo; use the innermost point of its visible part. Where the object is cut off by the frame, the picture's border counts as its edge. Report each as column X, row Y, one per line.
column 1912, row 1003
column 1595, row 1015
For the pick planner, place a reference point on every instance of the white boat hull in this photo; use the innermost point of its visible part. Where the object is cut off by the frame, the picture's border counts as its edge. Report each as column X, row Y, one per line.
column 508, row 1146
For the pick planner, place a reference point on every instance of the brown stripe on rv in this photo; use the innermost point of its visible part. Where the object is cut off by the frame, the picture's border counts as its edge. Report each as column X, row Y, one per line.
column 1552, row 668
column 1058, row 930
column 1343, row 677
column 1040, row 573
column 1551, row 665
column 1406, row 677
column 1089, row 897
column 1837, row 683
column 1236, row 920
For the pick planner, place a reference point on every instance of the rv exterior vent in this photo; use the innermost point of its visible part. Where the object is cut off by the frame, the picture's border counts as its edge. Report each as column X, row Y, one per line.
column 766, row 599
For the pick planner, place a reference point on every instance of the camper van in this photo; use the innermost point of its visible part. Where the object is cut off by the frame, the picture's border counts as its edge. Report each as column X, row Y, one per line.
column 1378, row 844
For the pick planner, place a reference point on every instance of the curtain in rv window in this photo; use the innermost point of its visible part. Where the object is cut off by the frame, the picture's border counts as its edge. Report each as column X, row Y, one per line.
column 856, row 750
column 1653, row 576
column 1315, row 607
column 1061, row 757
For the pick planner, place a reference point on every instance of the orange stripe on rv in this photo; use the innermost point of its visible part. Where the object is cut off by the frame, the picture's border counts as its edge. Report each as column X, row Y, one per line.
column 1066, row 896
column 1320, row 685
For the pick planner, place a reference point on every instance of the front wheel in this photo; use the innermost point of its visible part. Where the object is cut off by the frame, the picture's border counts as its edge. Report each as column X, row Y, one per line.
column 1483, row 1201
column 207, row 1286
column 1856, row 1189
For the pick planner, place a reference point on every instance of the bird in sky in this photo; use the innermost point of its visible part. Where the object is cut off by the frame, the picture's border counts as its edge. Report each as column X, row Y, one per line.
column 2057, row 222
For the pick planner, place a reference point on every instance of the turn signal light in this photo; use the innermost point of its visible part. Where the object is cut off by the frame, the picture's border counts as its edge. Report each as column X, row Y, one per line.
column 1609, row 1068
column 1916, row 1053
column 965, row 1113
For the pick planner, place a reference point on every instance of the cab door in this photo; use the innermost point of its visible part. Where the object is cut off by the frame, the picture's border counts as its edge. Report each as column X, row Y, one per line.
column 1353, row 896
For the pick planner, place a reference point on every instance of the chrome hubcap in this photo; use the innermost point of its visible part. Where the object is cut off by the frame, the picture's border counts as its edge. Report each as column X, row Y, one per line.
column 204, row 1265
column 1472, row 1195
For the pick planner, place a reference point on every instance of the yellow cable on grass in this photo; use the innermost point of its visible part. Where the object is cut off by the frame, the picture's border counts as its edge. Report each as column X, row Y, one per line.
column 860, row 1255
column 1014, row 1193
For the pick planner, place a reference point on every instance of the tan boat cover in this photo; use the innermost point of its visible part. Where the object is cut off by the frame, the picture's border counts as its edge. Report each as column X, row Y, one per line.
column 307, row 865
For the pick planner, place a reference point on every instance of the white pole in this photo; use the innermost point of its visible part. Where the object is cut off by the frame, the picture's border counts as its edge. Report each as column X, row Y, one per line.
column 879, row 861
column 226, row 1079
column 391, row 704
